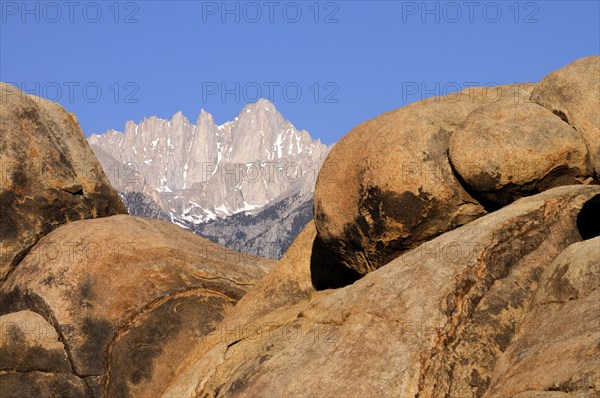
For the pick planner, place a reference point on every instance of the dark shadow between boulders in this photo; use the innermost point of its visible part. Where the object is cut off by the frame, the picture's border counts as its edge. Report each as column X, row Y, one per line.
column 588, row 219
column 326, row 271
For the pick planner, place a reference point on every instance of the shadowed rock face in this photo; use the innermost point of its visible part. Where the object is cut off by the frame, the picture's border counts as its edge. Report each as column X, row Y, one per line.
column 452, row 318
column 39, row 384
column 127, row 296
column 33, row 361
column 145, row 352
column 48, row 174
column 30, row 343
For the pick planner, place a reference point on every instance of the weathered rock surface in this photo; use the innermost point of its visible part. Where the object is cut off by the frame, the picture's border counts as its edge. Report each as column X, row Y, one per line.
column 305, row 268
column 557, row 349
column 33, row 362
column 429, row 167
column 39, row 384
column 451, row 318
column 504, row 151
column 398, row 187
column 573, row 93
column 48, row 174
column 127, row 296
column 30, row 343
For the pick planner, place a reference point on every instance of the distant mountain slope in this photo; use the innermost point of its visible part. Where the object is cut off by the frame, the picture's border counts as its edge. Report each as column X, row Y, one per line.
column 267, row 233
column 200, row 175
column 142, row 205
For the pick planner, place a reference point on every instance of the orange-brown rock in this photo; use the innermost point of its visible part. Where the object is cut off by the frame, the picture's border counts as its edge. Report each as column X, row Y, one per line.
column 439, row 321
column 128, row 296
column 573, row 93
column 505, row 151
column 557, row 348
column 33, row 361
column 48, row 174
column 388, row 186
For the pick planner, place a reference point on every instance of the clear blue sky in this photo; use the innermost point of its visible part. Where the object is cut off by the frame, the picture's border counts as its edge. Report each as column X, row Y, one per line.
column 174, row 55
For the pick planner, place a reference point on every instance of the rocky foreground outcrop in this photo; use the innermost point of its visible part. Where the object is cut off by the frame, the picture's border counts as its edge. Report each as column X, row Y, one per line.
column 48, row 174
column 414, row 173
column 126, row 297
column 455, row 253
column 497, row 305
column 503, row 306
column 92, row 305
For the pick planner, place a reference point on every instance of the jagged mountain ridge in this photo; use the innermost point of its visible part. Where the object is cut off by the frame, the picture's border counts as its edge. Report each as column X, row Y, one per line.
column 204, row 172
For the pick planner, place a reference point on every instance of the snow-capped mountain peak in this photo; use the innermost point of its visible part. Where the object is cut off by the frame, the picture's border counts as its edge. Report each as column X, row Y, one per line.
column 202, row 171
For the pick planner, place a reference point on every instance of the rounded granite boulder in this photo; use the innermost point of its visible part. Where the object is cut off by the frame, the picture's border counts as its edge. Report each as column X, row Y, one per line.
column 388, row 186
column 504, row 152
column 48, row 174
column 573, row 93
column 127, row 295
